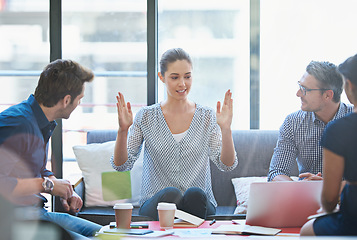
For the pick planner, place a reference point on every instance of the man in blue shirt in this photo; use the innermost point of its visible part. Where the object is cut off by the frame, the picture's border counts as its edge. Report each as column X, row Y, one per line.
column 299, row 138
column 25, row 130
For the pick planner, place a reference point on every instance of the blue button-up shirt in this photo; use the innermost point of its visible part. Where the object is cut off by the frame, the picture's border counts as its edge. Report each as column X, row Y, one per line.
column 24, row 136
column 299, row 141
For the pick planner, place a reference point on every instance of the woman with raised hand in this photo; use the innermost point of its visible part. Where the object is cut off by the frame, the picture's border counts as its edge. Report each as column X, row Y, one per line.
column 180, row 137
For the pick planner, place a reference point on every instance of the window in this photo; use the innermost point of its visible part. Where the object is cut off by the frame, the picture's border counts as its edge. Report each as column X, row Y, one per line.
column 109, row 37
column 24, row 48
column 216, row 35
column 292, row 34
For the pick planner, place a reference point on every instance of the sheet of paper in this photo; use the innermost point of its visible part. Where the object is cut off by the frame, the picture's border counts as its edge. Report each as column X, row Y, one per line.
column 154, row 234
column 194, row 233
column 245, row 229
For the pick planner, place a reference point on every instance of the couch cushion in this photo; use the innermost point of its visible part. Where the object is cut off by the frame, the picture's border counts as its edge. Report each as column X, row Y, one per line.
column 93, row 160
column 100, row 136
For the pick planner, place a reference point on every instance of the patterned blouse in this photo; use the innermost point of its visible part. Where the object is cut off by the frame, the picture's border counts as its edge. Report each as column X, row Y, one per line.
column 168, row 163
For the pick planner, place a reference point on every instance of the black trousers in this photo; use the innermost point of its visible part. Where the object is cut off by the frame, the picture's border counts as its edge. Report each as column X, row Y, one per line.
column 193, row 201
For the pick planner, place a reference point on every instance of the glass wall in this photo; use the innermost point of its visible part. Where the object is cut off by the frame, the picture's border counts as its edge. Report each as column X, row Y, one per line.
column 216, row 35
column 109, row 37
column 24, row 48
column 292, row 34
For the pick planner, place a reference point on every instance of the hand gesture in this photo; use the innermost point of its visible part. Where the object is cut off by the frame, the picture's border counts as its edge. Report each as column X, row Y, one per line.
column 310, row 177
column 72, row 204
column 125, row 115
column 62, row 188
column 225, row 115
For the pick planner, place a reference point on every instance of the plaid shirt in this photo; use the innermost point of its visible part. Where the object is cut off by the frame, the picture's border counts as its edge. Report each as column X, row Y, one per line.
column 299, row 140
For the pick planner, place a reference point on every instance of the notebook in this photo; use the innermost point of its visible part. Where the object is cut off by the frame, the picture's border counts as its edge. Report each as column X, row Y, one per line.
column 185, row 219
column 282, row 204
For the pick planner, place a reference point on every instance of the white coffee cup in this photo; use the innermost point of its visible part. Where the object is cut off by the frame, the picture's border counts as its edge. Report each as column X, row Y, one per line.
column 166, row 214
column 123, row 213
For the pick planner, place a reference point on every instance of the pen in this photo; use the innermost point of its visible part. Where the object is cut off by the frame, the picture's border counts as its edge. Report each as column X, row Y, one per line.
column 139, row 225
column 135, row 226
column 212, row 222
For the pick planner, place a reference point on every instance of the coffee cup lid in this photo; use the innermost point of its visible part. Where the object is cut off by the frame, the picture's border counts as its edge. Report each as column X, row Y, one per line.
column 166, row 206
column 123, row 206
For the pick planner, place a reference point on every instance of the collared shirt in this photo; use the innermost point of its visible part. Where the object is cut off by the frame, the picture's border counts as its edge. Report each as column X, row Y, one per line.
column 168, row 163
column 299, row 141
column 24, row 136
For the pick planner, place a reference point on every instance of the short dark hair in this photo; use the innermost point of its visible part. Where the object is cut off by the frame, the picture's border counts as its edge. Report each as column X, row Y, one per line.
column 327, row 77
column 172, row 55
column 61, row 78
column 349, row 69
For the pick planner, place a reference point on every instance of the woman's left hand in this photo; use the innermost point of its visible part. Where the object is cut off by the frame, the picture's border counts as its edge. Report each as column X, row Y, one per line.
column 225, row 115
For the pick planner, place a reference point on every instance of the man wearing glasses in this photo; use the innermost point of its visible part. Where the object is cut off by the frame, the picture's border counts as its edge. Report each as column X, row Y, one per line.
column 299, row 138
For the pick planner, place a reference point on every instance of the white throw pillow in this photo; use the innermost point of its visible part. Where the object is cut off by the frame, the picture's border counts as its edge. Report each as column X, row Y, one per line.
column 241, row 188
column 93, row 159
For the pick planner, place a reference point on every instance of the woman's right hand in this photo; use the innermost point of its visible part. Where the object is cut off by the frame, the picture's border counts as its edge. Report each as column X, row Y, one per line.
column 125, row 115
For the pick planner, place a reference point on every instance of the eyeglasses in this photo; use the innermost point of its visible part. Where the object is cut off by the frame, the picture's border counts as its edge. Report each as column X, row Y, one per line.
column 304, row 90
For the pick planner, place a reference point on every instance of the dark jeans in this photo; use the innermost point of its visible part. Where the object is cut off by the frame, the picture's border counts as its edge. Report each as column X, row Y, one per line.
column 193, row 201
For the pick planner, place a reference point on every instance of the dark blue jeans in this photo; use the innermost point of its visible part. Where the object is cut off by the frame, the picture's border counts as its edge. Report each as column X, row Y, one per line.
column 193, row 201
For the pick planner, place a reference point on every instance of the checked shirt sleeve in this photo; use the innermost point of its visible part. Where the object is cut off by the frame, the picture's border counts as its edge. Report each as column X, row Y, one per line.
column 285, row 152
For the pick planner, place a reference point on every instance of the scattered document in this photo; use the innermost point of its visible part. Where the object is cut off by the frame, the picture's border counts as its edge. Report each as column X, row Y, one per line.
column 194, row 233
column 136, row 233
column 245, row 230
column 128, row 231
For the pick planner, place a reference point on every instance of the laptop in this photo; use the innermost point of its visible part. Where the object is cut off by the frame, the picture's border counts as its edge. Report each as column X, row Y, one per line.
column 282, row 204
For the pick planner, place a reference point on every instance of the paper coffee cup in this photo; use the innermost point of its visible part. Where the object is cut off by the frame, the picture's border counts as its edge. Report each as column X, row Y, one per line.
column 123, row 213
column 166, row 214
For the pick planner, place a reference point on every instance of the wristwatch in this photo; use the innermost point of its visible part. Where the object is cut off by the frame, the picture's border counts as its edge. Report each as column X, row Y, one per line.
column 47, row 184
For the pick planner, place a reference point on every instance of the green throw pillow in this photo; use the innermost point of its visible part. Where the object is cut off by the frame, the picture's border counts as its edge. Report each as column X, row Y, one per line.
column 116, row 185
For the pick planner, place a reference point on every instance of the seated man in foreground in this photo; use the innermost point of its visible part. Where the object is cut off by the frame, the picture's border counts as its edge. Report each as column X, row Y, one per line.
column 25, row 130
column 299, row 138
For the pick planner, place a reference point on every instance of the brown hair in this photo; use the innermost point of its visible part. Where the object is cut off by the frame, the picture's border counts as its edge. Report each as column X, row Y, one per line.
column 61, row 78
column 172, row 55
